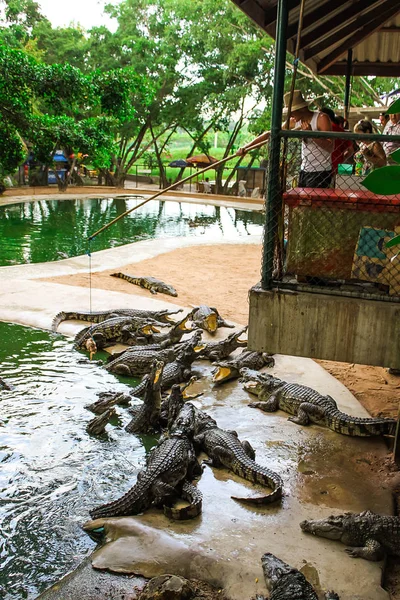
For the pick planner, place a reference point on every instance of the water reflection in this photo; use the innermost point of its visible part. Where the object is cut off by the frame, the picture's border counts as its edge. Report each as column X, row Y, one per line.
column 52, row 471
column 47, row 230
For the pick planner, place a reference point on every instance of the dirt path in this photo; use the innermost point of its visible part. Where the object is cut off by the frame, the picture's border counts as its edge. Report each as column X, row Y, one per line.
column 221, row 276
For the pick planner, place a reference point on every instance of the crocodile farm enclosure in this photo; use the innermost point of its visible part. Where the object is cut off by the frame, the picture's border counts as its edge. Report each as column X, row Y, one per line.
column 117, row 471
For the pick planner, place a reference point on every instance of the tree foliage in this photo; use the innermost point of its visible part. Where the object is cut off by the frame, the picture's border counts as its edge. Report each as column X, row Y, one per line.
column 171, row 65
column 59, row 107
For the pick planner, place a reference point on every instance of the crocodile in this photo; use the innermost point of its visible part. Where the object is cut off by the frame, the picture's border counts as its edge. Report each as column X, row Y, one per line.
column 163, row 316
column 371, row 536
column 118, row 329
column 121, row 398
column 135, row 362
column 174, row 335
column 208, row 318
column 179, row 370
column 147, row 417
column 215, row 351
column 287, row 583
column 169, row 464
column 308, row 405
column 97, row 425
column 157, row 341
column 247, row 374
column 173, row 403
column 225, row 449
column 136, row 348
column 230, row 369
column 100, row 406
column 149, row 283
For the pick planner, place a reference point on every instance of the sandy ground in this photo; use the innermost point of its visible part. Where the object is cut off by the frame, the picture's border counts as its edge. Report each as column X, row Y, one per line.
column 221, row 276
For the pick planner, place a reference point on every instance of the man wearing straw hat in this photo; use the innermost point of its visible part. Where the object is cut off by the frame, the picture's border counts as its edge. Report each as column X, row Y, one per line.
column 316, row 154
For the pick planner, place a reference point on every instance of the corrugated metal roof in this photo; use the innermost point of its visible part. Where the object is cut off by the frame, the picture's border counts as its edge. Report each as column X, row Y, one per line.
column 370, row 28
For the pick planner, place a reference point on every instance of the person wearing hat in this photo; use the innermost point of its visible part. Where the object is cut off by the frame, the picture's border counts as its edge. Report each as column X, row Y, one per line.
column 316, row 161
column 392, row 128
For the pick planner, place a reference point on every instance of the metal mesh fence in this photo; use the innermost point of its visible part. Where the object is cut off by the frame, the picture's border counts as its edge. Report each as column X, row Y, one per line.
column 324, row 229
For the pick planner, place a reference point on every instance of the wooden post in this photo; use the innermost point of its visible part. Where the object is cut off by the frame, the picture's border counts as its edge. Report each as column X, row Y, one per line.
column 396, row 447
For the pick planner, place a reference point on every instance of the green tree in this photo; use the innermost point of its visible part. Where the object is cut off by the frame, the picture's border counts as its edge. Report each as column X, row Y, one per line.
column 57, row 106
column 18, row 20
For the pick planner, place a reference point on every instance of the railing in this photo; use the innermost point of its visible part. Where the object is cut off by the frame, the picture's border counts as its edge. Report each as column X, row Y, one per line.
column 324, row 230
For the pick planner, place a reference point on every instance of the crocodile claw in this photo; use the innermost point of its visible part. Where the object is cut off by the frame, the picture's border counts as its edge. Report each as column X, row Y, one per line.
column 352, row 553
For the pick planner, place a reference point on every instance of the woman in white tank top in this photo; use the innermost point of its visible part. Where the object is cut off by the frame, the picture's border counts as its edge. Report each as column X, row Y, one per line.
column 316, row 161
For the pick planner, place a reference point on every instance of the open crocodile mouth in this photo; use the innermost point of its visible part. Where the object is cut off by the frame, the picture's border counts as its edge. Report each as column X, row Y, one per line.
column 210, row 323
column 221, row 373
column 184, row 326
column 170, row 320
column 199, row 348
column 158, row 374
column 242, row 341
column 187, row 395
column 149, row 329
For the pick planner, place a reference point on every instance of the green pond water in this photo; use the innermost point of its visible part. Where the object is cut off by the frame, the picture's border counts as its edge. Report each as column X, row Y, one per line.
column 48, row 230
column 51, row 471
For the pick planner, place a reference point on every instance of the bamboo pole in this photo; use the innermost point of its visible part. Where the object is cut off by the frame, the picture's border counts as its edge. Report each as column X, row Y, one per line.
column 174, row 185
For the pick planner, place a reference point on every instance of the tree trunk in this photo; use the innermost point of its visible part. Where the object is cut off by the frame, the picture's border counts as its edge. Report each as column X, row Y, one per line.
column 163, row 176
column 219, row 187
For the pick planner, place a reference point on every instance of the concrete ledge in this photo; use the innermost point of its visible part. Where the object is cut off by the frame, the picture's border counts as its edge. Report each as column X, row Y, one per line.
column 25, row 194
column 324, row 326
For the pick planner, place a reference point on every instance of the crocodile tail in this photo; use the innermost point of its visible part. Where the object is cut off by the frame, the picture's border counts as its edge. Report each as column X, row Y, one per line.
column 195, row 498
column 360, row 427
column 129, row 278
column 251, row 471
column 257, row 500
column 59, row 318
column 131, row 503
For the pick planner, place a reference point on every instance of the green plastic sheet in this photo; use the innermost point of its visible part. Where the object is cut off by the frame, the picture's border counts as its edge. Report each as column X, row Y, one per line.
column 396, row 155
column 394, row 108
column 385, row 181
column 393, row 242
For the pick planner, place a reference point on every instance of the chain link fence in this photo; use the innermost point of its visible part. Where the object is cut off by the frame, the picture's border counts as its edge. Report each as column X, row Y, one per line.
column 324, row 229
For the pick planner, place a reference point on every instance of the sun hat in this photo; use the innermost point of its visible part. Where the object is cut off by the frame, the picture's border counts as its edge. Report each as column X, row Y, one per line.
column 298, row 101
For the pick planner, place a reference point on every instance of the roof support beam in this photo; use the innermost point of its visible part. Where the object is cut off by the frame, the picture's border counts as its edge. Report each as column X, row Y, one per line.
column 270, row 15
column 365, row 68
column 253, row 10
column 322, row 12
column 343, row 33
column 337, row 22
column 387, row 10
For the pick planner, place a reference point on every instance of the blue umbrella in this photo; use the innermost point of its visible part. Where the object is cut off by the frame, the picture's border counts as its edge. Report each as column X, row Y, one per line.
column 179, row 163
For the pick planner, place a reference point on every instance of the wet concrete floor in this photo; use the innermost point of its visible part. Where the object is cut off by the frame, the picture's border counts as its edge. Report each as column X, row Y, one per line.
column 323, row 472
